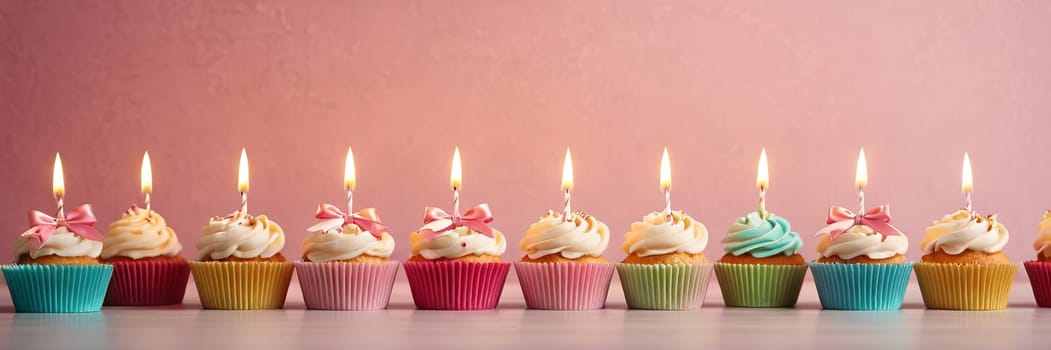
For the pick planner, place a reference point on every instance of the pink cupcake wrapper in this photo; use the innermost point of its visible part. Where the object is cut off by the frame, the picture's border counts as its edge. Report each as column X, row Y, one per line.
column 346, row 286
column 142, row 283
column 454, row 285
column 565, row 286
column 1040, row 277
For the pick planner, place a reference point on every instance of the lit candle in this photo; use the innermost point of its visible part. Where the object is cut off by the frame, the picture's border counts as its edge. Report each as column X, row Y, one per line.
column 967, row 183
column 861, row 179
column 349, row 179
column 762, row 181
column 146, row 178
column 242, row 183
column 58, row 187
column 567, row 184
column 666, row 181
column 456, row 181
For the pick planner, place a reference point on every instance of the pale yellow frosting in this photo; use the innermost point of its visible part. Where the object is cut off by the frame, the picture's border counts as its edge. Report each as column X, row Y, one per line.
column 242, row 236
column 862, row 240
column 961, row 231
column 345, row 244
column 1043, row 238
column 659, row 233
column 62, row 243
column 140, row 233
column 578, row 236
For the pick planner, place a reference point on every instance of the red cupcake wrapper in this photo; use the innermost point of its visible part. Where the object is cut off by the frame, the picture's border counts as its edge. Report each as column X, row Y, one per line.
column 454, row 285
column 142, row 283
column 1040, row 277
column 346, row 286
column 565, row 286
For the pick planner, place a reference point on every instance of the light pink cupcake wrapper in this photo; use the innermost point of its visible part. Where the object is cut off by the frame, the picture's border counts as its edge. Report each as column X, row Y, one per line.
column 141, row 283
column 453, row 285
column 565, row 286
column 346, row 286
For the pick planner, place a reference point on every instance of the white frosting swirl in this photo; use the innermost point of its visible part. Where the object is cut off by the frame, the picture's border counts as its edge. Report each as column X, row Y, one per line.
column 458, row 242
column 578, row 236
column 140, row 233
column 62, row 243
column 352, row 242
column 656, row 235
column 1043, row 238
column 961, row 231
column 243, row 237
column 862, row 240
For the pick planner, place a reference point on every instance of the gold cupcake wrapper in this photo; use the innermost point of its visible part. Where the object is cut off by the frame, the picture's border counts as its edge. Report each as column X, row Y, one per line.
column 965, row 286
column 242, row 285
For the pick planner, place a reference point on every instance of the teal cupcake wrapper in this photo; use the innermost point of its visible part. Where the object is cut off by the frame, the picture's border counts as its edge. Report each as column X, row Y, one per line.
column 756, row 285
column 57, row 288
column 861, row 286
column 664, row 287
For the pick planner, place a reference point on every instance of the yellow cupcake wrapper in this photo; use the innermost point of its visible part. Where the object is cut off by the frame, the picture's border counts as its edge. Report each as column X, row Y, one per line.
column 242, row 285
column 965, row 286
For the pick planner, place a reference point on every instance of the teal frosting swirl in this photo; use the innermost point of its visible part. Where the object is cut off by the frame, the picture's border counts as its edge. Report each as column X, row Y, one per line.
column 762, row 236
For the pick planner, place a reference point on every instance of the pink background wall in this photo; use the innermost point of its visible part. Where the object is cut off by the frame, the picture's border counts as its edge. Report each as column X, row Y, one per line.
column 513, row 84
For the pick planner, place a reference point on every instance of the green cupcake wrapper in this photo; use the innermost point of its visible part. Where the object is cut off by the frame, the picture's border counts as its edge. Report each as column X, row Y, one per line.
column 756, row 285
column 57, row 288
column 868, row 287
column 664, row 287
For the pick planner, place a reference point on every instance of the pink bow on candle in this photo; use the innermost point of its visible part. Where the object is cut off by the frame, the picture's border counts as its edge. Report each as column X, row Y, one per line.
column 841, row 219
column 438, row 221
column 333, row 218
column 80, row 221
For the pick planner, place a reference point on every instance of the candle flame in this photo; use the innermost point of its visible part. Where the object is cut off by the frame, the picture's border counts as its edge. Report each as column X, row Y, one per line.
column 665, row 171
column 146, row 175
column 967, row 177
column 762, row 178
column 456, row 176
column 567, row 172
column 861, row 177
column 58, row 184
column 242, row 173
column 350, row 179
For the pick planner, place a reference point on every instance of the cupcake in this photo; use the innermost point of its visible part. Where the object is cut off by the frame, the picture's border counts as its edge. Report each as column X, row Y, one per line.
column 761, row 267
column 455, row 263
column 346, row 261
column 239, row 264
column 1039, row 270
column 147, row 267
column 56, row 266
column 665, row 268
column 563, row 268
column 964, row 266
column 862, row 265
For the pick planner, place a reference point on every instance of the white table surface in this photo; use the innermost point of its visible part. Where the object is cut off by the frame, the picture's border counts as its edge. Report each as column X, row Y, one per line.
column 1021, row 326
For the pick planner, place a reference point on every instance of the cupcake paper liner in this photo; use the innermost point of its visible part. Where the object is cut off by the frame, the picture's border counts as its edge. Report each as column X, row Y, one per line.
column 965, row 286
column 664, row 287
column 564, row 286
column 757, row 285
column 57, row 288
column 1040, row 277
column 242, row 285
column 346, row 286
column 454, row 285
column 141, row 283
column 861, row 286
